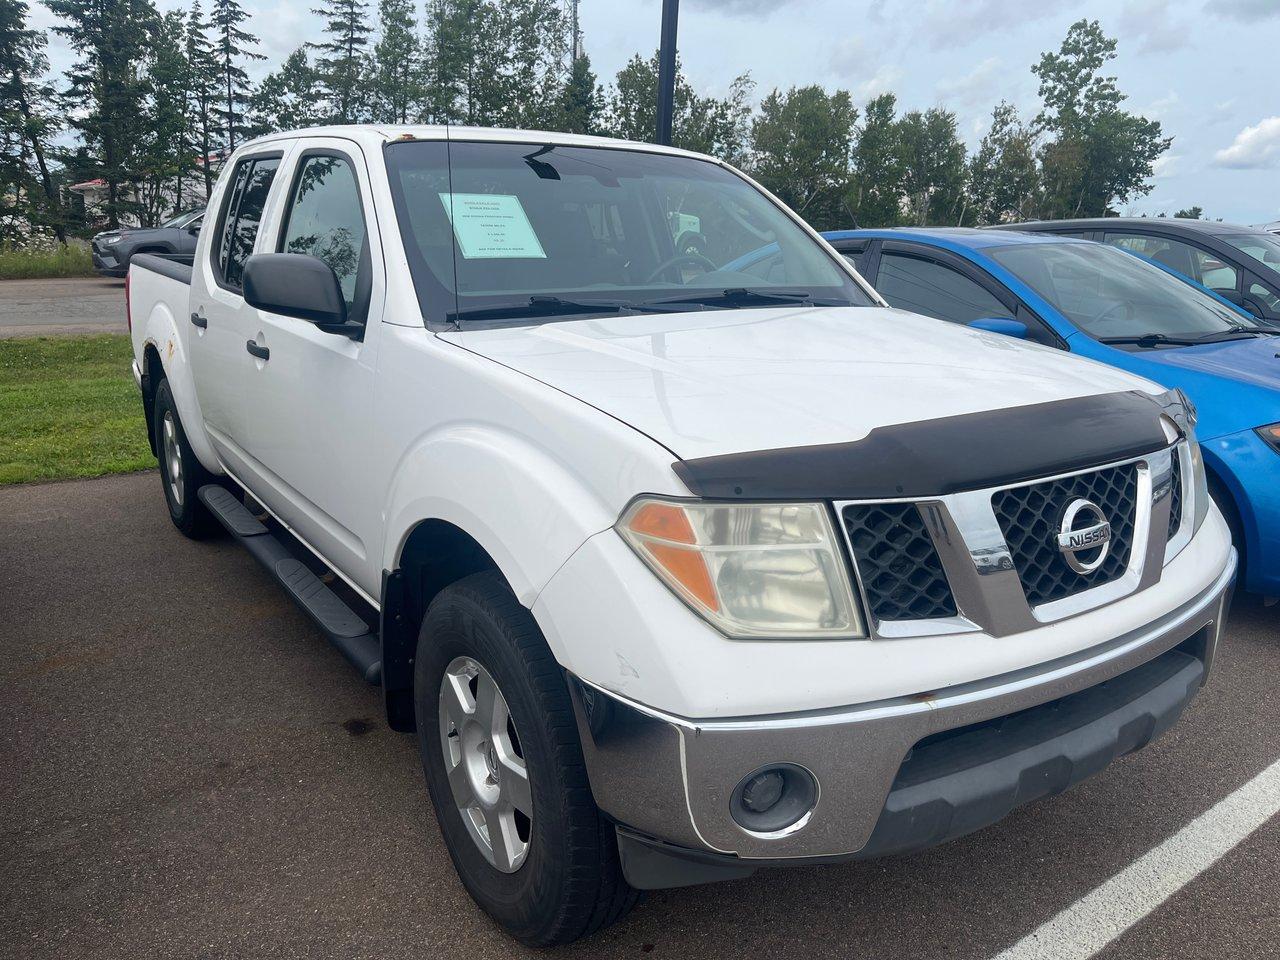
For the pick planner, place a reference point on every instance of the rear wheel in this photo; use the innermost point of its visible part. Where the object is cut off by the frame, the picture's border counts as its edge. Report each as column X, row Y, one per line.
column 505, row 771
column 180, row 472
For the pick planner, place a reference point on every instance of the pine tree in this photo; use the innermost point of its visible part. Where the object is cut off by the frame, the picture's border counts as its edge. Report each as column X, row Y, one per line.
column 286, row 98
column 581, row 100
column 231, row 44
column 397, row 63
column 107, row 82
column 341, row 64
column 27, row 124
column 202, row 93
column 166, row 154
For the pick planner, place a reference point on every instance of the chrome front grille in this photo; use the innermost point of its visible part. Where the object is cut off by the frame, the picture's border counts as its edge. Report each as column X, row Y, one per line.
column 1031, row 516
column 901, row 573
column 990, row 560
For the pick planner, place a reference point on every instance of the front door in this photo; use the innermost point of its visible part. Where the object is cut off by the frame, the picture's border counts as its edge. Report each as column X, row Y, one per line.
column 310, row 423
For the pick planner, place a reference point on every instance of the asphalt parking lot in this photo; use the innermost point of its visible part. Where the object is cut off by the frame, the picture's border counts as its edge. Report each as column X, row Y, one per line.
column 189, row 771
column 36, row 308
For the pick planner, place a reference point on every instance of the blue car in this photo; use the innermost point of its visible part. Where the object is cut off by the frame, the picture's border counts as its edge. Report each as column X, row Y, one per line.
column 1108, row 305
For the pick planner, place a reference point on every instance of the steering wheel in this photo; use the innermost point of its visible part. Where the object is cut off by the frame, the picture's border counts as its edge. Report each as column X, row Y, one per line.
column 695, row 258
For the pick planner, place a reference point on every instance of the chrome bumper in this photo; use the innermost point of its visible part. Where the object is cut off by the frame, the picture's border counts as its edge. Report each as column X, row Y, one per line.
column 668, row 779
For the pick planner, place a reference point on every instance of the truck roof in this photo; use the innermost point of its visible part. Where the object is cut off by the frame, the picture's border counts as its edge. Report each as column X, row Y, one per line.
column 369, row 134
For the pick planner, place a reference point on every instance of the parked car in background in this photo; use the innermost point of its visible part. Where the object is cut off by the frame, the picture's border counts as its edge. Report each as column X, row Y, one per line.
column 113, row 249
column 1272, row 227
column 1101, row 303
column 1240, row 264
column 677, row 571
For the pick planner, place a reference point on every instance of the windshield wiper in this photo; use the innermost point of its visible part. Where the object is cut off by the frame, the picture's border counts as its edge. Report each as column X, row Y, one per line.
column 742, row 297
column 1152, row 340
column 549, row 306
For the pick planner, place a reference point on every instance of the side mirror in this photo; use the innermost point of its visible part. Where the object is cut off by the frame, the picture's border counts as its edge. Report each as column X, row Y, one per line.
column 298, row 285
column 194, row 229
column 1231, row 295
column 1001, row 325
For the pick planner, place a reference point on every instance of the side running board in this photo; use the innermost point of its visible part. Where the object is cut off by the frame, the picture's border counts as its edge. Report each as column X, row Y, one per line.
column 343, row 627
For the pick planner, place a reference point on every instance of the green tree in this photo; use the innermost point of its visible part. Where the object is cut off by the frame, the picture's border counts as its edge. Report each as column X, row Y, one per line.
column 202, row 94
column 933, row 166
column 166, row 153
column 581, row 100
column 107, row 82
column 1002, row 173
column 706, row 124
column 28, row 122
column 1191, row 213
column 397, row 64
column 285, row 99
column 1100, row 156
column 803, row 146
column 495, row 64
column 340, row 63
column 231, row 49
column 875, row 197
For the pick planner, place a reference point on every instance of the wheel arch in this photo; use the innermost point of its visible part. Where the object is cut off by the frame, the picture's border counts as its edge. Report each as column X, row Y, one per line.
column 435, row 554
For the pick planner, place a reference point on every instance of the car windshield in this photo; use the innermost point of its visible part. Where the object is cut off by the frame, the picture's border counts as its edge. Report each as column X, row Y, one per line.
column 501, row 233
column 1117, row 296
column 178, row 220
column 1263, row 247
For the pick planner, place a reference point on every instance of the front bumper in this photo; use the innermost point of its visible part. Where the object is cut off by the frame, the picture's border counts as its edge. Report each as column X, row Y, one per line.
column 887, row 781
column 1250, row 470
column 106, row 263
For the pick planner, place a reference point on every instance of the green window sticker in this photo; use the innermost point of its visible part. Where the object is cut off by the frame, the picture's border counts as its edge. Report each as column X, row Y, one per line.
column 491, row 226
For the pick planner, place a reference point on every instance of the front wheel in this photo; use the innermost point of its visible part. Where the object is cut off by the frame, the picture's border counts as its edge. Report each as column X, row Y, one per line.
column 505, row 771
column 180, row 472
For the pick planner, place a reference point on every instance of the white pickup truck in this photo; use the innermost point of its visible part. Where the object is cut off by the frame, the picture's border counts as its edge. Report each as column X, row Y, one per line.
column 678, row 567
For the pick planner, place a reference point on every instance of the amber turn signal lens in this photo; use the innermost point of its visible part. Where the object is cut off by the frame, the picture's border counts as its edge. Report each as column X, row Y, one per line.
column 663, row 521
column 1271, row 434
column 689, row 569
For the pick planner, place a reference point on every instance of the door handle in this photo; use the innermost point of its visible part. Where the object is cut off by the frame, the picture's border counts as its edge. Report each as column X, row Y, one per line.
column 262, row 353
column 199, row 321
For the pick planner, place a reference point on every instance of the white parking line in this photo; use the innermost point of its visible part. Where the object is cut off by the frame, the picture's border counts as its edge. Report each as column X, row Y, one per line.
column 1087, row 926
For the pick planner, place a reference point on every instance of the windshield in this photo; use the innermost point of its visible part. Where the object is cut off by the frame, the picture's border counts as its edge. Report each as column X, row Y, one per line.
column 529, row 233
column 1111, row 294
column 1263, row 247
column 178, row 220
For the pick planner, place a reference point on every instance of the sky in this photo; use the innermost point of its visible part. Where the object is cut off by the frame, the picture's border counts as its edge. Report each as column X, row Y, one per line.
column 1203, row 68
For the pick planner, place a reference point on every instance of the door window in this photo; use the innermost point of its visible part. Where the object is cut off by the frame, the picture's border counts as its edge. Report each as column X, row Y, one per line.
column 1200, row 265
column 241, row 215
column 928, row 287
column 325, row 220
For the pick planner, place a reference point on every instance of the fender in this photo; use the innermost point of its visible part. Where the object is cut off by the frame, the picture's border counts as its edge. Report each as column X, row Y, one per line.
column 528, row 511
column 162, row 332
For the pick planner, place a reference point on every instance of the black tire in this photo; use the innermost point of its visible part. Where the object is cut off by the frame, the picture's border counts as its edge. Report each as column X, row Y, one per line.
column 570, row 882
column 186, row 511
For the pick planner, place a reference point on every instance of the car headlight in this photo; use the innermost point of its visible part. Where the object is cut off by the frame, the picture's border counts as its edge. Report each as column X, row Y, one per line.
column 114, row 239
column 1271, row 434
column 753, row 570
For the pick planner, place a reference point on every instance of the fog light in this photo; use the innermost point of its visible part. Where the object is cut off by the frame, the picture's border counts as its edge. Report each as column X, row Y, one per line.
column 773, row 798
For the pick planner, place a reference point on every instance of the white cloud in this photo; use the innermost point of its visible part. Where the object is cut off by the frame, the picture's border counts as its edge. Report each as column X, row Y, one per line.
column 946, row 24
column 1152, row 24
column 884, row 80
column 750, row 8
column 1254, row 148
column 1166, row 165
column 975, row 88
column 1160, row 108
column 1246, row 11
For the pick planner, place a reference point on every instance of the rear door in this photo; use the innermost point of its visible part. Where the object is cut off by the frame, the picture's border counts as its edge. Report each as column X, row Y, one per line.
column 218, row 314
column 310, row 423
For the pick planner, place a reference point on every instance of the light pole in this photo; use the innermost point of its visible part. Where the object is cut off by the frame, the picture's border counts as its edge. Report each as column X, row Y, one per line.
column 667, row 70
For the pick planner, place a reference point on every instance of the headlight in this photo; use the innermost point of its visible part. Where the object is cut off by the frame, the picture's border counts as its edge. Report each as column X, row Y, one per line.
column 1271, row 434
column 752, row 570
column 114, row 239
